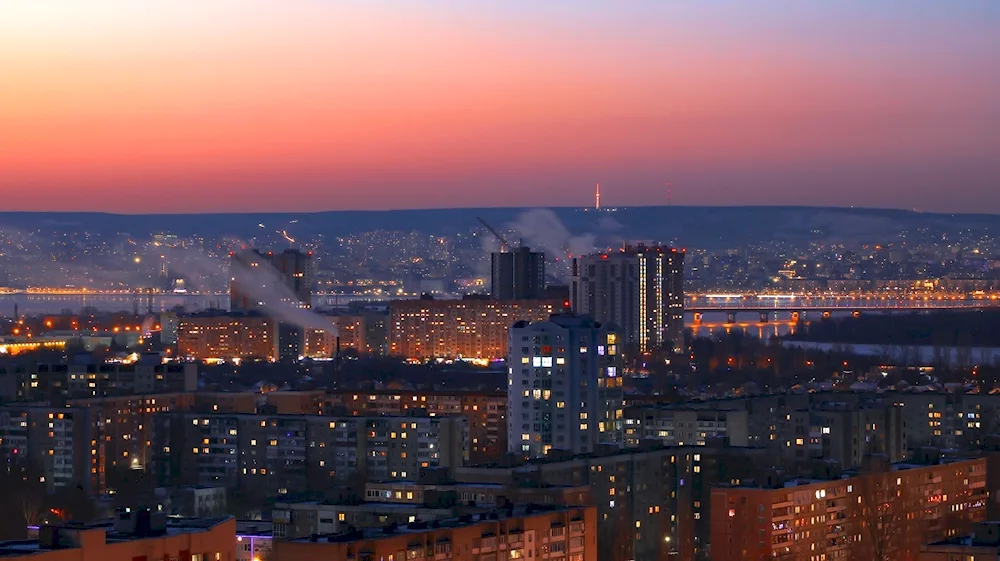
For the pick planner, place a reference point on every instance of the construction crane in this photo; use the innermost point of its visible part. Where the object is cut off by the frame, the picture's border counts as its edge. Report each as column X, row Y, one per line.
column 504, row 246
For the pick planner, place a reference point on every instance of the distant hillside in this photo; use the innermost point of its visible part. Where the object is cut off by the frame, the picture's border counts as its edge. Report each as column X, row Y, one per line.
column 686, row 226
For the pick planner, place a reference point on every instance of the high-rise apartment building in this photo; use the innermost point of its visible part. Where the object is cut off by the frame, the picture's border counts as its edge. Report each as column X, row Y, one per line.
column 564, row 389
column 640, row 289
column 518, row 274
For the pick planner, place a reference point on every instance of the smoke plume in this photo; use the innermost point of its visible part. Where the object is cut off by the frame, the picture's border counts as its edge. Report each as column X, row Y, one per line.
column 542, row 229
column 265, row 285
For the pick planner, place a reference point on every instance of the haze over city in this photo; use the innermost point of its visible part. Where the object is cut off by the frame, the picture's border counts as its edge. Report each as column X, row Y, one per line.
column 184, row 106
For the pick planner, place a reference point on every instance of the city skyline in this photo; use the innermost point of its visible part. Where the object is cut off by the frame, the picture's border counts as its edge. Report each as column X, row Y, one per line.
column 177, row 107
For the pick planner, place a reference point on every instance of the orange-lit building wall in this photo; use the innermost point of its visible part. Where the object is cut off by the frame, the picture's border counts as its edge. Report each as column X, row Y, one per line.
column 213, row 543
column 567, row 534
column 468, row 328
column 826, row 518
column 227, row 337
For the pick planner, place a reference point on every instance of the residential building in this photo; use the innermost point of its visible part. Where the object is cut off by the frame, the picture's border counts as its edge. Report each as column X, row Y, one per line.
column 564, row 388
column 471, row 328
column 81, row 376
column 640, row 289
column 486, row 412
column 217, row 335
column 133, row 534
column 983, row 544
column 59, row 445
column 834, row 518
column 294, row 453
column 517, row 274
column 676, row 426
column 310, row 518
column 555, row 533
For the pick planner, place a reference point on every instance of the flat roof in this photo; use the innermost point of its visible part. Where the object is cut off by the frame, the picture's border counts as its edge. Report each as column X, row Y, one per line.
column 421, row 527
column 174, row 527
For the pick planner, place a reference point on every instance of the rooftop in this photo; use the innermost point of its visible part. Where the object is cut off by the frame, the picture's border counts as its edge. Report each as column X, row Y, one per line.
column 174, row 527
column 421, row 527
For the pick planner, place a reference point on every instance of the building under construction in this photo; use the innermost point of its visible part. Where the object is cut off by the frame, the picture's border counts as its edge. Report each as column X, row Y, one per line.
column 517, row 273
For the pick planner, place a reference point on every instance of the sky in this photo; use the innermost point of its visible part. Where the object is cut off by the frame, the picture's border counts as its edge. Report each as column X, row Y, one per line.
column 304, row 105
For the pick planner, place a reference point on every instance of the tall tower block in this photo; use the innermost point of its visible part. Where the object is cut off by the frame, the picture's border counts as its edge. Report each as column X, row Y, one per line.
column 597, row 198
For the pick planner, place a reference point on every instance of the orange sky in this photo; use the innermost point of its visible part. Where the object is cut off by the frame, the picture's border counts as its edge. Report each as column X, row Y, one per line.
column 251, row 105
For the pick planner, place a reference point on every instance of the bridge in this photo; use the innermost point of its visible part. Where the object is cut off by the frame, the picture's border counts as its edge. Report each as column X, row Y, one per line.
column 798, row 307
column 723, row 303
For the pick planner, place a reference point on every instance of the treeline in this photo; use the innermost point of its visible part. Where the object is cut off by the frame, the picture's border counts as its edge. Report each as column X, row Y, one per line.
column 978, row 328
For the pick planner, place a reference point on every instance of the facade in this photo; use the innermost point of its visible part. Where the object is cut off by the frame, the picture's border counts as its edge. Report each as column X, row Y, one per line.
column 650, row 503
column 133, row 535
column 472, row 328
column 486, row 412
column 217, row 335
column 640, row 289
column 518, row 274
column 566, row 534
column 57, row 444
column 82, row 377
column 295, row 453
column 833, row 519
column 564, row 388
column 490, row 495
column 842, row 427
column 310, row 518
column 674, row 426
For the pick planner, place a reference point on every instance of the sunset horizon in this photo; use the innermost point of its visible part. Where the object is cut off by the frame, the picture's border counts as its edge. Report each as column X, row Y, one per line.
column 254, row 107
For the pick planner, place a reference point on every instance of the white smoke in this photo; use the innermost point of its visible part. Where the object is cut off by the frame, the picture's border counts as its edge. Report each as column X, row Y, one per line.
column 542, row 229
column 265, row 285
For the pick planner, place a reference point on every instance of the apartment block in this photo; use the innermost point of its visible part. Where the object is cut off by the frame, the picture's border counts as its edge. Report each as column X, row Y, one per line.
column 59, row 445
column 564, row 388
column 673, row 426
column 294, row 453
column 132, row 535
column 486, row 412
column 82, row 377
column 471, row 328
column 566, row 534
column 218, row 335
column 651, row 504
column 841, row 518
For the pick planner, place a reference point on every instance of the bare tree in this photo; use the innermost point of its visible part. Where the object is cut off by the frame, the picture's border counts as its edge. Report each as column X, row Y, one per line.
column 879, row 513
